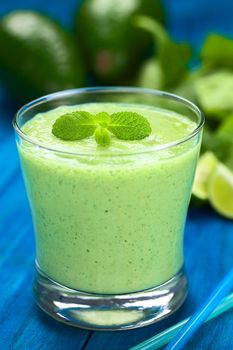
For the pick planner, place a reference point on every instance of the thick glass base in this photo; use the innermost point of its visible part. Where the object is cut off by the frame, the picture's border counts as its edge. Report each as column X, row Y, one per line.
column 109, row 312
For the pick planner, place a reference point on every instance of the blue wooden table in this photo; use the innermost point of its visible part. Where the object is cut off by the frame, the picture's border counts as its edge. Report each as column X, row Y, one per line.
column 208, row 237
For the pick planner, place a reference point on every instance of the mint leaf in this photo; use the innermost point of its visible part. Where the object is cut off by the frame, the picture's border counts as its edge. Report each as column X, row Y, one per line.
column 129, row 126
column 102, row 136
column 74, row 126
column 218, row 51
column 172, row 57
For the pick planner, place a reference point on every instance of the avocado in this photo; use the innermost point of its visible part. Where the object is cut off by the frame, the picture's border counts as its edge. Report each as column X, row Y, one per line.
column 111, row 45
column 37, row 55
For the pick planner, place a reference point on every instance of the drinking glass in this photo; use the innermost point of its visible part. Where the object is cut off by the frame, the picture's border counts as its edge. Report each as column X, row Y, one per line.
column 109, row 224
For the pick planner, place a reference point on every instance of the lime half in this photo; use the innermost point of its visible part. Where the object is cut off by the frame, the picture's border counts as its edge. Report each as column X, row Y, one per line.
column 205, row 167
column 220, row 190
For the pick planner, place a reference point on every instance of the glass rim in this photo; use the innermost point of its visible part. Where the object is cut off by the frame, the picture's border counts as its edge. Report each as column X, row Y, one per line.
column 109, row 89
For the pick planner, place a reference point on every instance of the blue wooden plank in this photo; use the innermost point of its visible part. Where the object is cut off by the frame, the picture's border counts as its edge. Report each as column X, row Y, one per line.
column 32, row 329
column 53, row 335
column 9, row 163
column 14, row 209
column 214, row 335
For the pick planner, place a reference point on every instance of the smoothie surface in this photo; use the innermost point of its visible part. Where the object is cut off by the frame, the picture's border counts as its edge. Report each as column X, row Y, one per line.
column 166, row 127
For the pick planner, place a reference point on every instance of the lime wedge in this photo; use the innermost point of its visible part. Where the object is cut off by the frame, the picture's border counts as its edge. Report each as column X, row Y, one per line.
column 220, row 190
column 205, row 167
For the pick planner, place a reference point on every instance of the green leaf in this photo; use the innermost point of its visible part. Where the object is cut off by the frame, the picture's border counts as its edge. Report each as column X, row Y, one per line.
column 173, row 57
column 225, row 131
column 74, row 126
column 226, row 126
column 129, row 126
column 220, row 144
column 218, row 51
column 102, row 136
column 206, row 139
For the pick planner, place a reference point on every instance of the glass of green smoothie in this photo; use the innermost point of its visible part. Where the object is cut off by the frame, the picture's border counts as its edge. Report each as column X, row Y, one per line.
column 109, row 173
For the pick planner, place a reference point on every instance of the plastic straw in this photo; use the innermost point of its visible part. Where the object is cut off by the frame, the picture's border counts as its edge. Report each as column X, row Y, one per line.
column 167, row 335
column 202, row 313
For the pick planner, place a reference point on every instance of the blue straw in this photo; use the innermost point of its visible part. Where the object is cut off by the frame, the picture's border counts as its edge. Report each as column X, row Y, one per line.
column 184, row 335
column 164, row 337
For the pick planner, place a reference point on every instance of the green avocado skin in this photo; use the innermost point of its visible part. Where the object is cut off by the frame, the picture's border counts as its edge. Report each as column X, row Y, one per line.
column 111, row 44
column 37, row 55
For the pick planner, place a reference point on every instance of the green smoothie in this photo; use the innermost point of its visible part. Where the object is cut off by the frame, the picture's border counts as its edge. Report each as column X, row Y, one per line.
column 109, row 220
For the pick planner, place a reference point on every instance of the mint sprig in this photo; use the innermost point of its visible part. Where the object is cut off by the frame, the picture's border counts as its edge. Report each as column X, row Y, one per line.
column 81, row 124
